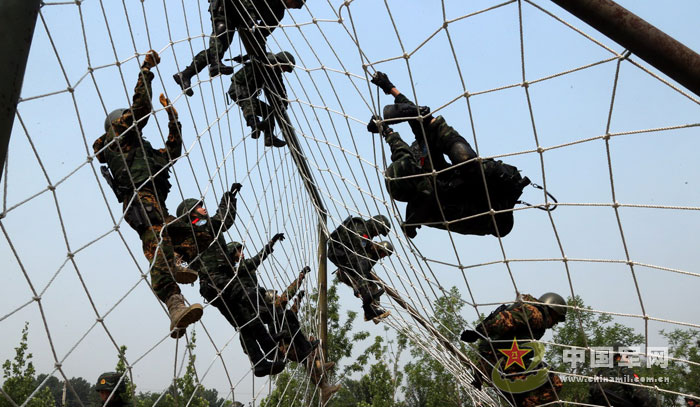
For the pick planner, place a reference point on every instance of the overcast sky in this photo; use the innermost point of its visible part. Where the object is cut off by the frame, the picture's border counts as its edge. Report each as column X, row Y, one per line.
column 77, row 46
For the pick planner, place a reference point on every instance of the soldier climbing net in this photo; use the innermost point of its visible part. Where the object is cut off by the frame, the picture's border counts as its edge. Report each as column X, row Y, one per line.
column 522, row 81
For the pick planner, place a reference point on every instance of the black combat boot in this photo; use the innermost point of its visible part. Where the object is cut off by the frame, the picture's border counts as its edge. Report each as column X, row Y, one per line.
column 399, row 112
column 183, row 79
column 254, row 124
column 460, row 152
column 272, row 140
column 218, row 68
column 302, row 347
column 374, row 313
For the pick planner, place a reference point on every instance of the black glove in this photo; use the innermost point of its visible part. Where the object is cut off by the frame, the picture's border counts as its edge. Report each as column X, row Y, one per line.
column 304, row 271
column 275, row 238
column 240, row 58
column 372, row 125
column 235, row 188
column 382, row 80
column 469, row 336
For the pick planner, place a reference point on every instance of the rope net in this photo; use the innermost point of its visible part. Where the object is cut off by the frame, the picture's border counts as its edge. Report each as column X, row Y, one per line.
column 522, row 81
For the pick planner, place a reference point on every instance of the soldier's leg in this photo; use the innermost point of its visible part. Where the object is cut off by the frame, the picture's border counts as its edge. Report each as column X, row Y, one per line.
column 544, row 394
column 448, row 141
column 223, row 32
column 147, row 217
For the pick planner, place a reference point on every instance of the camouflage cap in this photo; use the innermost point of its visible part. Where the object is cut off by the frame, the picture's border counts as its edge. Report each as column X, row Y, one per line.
column 230, row 247
column 108, row 381
column 187, row 206
column 112, row 116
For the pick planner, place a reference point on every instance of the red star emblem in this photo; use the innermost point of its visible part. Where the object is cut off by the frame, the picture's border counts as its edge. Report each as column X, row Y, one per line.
column 515, row 354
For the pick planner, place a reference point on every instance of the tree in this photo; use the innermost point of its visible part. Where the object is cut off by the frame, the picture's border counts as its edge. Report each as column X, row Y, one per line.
column 19, row 378
column 428, row 383
column 585, row 328
column 683, row 377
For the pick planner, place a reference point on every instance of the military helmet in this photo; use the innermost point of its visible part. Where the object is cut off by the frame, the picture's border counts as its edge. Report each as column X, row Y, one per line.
column 555, row 303
column 112, row 116
column 233, row 246
column 186, row 206
column 108, row 381
column 381, row 224
column 387, row 247
column 284, row 58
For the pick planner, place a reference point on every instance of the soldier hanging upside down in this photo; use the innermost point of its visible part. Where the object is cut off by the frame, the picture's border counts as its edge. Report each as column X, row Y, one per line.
column 139, row 174
column 258, row 17
column 507, row 329
column 441, row 193
column 246, row 85
column 350, row 247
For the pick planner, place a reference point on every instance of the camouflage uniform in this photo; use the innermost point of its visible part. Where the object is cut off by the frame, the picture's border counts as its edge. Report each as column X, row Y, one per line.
column 249, row 81
column 351, row 248
column 404, row 164
column 526, row 322
column 131, row 160
column 229, row 15
column 619, row 393
column 255, row 305
column 436, row 137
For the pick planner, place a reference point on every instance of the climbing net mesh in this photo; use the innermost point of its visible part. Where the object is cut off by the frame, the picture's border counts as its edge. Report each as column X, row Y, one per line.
column 522, row 81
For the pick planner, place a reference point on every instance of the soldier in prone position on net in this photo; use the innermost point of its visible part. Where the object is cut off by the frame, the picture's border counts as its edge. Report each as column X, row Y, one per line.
column 246, row 85
column 350, row 247
column 441, row 193
column 139, row 174
column 526, row 320
column 258, row 17
column 619, row 387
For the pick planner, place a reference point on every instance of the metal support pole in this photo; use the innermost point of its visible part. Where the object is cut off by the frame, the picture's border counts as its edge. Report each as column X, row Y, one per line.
column 17, row 21
column 654, row 46
column 323, row 285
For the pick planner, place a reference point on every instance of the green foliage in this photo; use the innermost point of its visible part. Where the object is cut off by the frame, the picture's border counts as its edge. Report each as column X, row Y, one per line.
column 683, row 377
column 428, row 383
column 19, row 378
column 585, row 328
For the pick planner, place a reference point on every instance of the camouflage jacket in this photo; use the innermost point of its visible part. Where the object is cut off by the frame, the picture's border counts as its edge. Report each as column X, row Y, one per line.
column 247, row 270
column 200, row 242
column 518, row 320
column 351, row 238
column 126, row 152
column 248, row 81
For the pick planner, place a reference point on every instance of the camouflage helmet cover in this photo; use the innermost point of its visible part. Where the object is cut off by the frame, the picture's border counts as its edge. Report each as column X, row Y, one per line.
column 187, row 206
column 381, row 224
column 108, row 381
column 555, row 302
column 112, row 116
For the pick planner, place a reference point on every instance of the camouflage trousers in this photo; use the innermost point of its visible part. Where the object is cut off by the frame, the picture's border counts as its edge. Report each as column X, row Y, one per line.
column 544, row 394
column 146, row 216
column 354, row 271
column 404, row 164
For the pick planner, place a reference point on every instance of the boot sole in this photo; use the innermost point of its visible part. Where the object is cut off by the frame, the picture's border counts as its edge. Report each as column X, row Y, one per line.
column 379, row 318
column 193, row 314
column 185, row 277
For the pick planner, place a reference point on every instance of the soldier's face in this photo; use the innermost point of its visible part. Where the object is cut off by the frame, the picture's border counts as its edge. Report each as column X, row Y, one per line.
column 201, row 211
column 293, row 4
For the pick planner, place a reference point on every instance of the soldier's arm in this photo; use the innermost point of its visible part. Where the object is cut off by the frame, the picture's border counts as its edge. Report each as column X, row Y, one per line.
column 97, row 146
column 141, row 106
column 226, row 213
column 173, row 146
